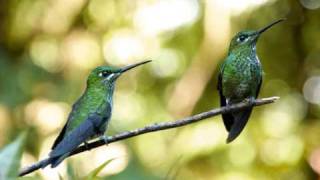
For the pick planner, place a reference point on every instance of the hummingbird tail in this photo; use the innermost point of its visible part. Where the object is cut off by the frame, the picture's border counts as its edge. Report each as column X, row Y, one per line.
column 60, row 137
column 228, row 121
column 56, row 161
column 73, row 139
column 240, row 121
column 45, row 163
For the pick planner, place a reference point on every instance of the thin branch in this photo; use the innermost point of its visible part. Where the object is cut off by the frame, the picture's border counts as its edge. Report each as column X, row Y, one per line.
column 154, row 127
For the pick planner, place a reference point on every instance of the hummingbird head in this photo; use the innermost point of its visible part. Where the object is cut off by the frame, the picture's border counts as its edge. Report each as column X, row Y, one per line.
column 106, row 75
column 249, row 38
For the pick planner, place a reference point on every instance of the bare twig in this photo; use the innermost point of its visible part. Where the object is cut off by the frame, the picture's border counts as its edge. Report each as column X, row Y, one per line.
column 154, row 127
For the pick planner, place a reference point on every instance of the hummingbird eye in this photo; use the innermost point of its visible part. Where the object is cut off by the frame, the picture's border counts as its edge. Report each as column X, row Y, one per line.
column 103, row 74
column 242, row 38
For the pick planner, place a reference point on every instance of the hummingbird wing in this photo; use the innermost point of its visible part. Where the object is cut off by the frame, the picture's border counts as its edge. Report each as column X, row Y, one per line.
column 241, row 118
column 228, row 119
column 258, row 87
column 70, row 142
column 60, row 137
column 75, row 108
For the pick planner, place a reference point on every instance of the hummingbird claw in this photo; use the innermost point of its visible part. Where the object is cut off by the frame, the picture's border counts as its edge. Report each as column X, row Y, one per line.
column 86, row 145
column 227, row 107
column 104, row 139
column 250, row 100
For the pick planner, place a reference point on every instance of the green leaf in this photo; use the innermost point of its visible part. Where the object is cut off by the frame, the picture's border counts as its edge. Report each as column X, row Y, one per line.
column 93, row 175
column 70, row 171
column 10, row 157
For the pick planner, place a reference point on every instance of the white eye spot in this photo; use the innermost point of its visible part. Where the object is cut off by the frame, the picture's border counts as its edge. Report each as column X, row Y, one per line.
column 103, row 74
column 242, row 38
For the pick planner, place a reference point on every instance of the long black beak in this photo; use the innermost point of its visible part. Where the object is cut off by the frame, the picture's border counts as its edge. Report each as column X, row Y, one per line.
column 269, row 26
column 126, row 68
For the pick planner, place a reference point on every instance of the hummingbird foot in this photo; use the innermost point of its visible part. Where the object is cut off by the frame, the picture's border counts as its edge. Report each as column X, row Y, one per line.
column 86, row 144
column 104, row 139
column 250, row 100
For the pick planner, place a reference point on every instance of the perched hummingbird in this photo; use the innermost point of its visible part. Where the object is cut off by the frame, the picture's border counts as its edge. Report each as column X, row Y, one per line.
column 91, row 113
column 240, row 78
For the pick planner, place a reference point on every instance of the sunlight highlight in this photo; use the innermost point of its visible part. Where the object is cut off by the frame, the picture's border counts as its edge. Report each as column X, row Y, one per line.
column 236, row 7
column 287, row 150
column 311, row 89
column 59, row 15
column 165, row 15
column 82, row 50
column 124, row 47
column 169, row 63
column 47, row 116
column 280, row 119
column 202, row 138
column 310, row 4
column 102, row 12
column 129, row 108
column 153, row 151
column 44, row 52
column 234, row 175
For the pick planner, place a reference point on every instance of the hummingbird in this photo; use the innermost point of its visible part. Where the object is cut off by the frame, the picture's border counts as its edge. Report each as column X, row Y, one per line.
column 240, row 78
column 90, row 115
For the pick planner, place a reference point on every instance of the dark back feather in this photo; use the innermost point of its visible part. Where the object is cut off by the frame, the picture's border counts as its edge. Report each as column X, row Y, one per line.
column 228, row 119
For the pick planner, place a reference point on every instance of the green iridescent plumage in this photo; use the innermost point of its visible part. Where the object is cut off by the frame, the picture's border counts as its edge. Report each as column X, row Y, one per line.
column 240, row 78
column 91, row 113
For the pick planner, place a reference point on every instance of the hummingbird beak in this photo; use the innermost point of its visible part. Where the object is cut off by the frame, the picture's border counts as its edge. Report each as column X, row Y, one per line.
column 259, row 32
column 115, row 75
column 126, row 68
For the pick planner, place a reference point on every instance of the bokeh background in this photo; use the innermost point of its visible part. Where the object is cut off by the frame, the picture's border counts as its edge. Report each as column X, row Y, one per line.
column 48, row 47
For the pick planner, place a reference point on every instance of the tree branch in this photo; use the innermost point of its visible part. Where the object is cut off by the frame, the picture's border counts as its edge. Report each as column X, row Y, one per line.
column 154, row 127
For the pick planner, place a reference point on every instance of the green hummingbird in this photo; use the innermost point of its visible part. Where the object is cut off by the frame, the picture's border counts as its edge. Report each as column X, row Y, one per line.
column 90, row 114
column 240, row 78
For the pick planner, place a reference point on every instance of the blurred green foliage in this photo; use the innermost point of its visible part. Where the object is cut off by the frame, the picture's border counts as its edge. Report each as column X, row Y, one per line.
column 47, row 48
column 10, row 157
